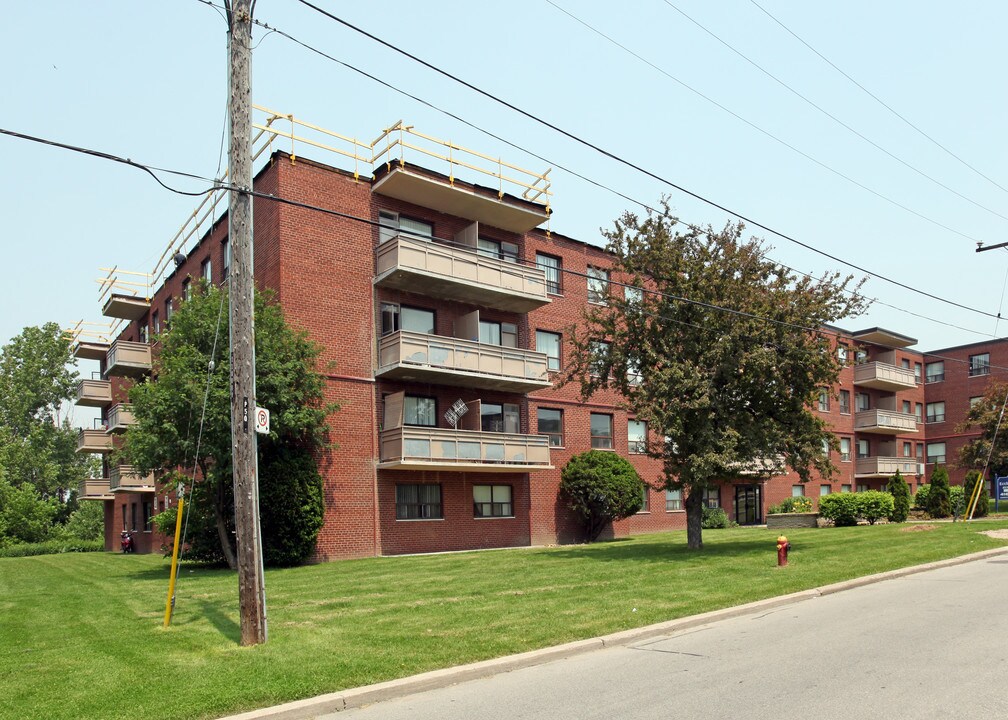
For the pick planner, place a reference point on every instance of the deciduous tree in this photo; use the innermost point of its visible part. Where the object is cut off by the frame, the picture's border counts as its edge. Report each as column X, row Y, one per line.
column 720, row 349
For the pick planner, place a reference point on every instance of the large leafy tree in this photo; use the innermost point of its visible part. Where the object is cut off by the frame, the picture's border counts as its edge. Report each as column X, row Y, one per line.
column 37, row 444
column 990, row 449
column 193, row 363
column 719, row 349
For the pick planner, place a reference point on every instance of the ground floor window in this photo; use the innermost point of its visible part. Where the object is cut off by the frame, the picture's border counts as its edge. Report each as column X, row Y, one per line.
column 418, row 502
column 492, row 501
column 712, row 497
column 673, row 500
column 148, row 514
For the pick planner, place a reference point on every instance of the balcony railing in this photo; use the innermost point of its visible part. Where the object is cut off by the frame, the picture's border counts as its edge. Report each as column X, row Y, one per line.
column 94, row 489
column 125, row 478
column 93, row 441
column 130, row 359
column 94, row 393
column 883, row 376
column 406, row 355
column 887, row 422
column 120, row 417
column 459, row 274
column 887, row 466
column 426, row 448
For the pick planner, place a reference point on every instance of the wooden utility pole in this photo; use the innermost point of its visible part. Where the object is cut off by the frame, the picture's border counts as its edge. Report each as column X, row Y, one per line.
column 244, row 455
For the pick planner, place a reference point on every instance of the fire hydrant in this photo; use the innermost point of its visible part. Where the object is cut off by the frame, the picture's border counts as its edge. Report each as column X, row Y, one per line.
column 782, row 550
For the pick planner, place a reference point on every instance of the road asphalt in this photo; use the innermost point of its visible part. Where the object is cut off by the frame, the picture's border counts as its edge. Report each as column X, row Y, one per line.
column 757, row 668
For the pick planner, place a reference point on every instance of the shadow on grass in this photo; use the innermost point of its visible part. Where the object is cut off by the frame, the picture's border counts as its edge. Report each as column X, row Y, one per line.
column 656, row 552
column 161, row 572
column 224, row 624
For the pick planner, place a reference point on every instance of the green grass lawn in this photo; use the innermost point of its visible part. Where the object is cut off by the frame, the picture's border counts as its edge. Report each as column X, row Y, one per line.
column 81, row 637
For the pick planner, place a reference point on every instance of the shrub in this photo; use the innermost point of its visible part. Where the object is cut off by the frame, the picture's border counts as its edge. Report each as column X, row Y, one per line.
column 900, row 491
column 938, row 505
column 841, row 508
column 87, row 522
column 52, row 547
column 872, row 505
column 983, row 501
column 799, row 504
column 715, row 519
column 601, row 487
column 957, row 500
column 920, row 497
column 291, row 505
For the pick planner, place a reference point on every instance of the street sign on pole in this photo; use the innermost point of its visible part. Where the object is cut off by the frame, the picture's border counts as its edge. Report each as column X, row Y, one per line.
column 262, row 420
column 1000, row 490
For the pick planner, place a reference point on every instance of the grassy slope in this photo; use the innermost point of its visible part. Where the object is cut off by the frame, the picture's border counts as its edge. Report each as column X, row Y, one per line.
column 80, row 635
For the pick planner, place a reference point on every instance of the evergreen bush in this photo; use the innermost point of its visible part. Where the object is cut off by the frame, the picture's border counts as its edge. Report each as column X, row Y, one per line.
column 601, row 487
column 900, row 491
column 920, row 497
column 938, row 505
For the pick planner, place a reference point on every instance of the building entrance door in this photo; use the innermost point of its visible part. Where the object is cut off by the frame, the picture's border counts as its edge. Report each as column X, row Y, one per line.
column 748, row 505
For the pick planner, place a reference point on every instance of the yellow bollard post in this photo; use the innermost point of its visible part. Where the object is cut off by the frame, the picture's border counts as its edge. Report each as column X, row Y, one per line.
column 170, row 604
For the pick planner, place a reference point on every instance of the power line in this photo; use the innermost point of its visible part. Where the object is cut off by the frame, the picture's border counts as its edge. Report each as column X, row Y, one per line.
column 644, row 171
column 825, row 112
column 876, row 98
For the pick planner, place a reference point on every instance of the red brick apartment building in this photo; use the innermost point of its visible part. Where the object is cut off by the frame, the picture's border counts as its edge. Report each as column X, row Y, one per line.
column 443, row 320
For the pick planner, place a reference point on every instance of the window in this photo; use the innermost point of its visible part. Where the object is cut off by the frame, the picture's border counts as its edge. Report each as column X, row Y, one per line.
column 825, row 447
column 823, row 400
column 551, row 424
column 841, row 353
column 979, row 364
column 863, row 487
column 934, row 372
column 917, row 372
column 497, row 249
column 645, row 498
column 142, row 331
column 863, row 448
column 637, row 436
column 395, row 317
column 845, row 449
column 936, row 452
column 598, row 285
column 416, row 228
column 601, row 431
column 148, row 513
column 905, row 364
column 860, row 357
column 187, row 289
column 845, row 488
column 167, row 312
column 907, row 449
column 673, row 500
column 919, row 411
column 712, row 497
column 226, row 259
column 125, row 526
column 499, row 417
column 797, row 491
column 845, row 402
column 919, row 450
column 420, row 411
column 552, row 267
column 974, row 401
column 492, row 332
column 600, row 356
column 633, row 295
column 549, row 343
column 206, row 271
column 906, row 407
column 156, row 323
column 862, row 402
column 418, row 502
column 492, row 501
column 633, row 372
column 936, row 412
column 825, row 489
column 133, row 516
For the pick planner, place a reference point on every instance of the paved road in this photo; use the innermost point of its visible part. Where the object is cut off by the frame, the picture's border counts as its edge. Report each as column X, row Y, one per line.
column 913, row 647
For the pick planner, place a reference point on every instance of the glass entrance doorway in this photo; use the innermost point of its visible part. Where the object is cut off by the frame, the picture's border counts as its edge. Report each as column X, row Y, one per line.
column 748, row 505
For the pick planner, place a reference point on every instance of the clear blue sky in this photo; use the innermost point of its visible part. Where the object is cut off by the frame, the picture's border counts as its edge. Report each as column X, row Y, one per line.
column 147, row 80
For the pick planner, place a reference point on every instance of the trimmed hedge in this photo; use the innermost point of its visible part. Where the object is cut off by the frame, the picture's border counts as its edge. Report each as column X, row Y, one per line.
column 52, row 547
column 845, row 509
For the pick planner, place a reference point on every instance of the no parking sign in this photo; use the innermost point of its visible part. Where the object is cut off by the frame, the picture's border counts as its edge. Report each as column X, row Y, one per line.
column 262, row 420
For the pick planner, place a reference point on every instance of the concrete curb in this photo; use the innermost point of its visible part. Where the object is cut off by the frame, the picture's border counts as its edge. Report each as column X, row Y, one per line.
column 369, row 694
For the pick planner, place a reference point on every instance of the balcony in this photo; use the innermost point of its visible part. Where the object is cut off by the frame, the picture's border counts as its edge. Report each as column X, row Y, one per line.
column 885, row 422
column 90, row 350
column 413, row 356
column 94, row 441
column 120, row 417
column 874, row 467
column 128, row 359
column 94, row 393
column 94, row 489
column 883, row 376
column 427, row 448
column 460, row 275
column 125, row 478
column 125, row 307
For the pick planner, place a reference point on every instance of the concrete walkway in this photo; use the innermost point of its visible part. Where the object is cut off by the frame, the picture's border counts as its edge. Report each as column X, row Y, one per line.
column 358, row 697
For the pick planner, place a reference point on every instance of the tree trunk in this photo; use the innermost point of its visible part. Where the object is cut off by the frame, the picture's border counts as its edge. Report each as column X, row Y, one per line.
column 222, row 531
column 694, row 519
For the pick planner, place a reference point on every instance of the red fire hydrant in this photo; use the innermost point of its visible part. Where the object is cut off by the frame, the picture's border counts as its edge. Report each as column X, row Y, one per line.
column 782, row 550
